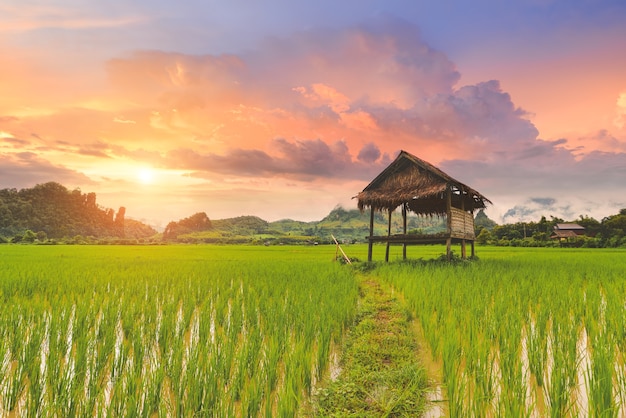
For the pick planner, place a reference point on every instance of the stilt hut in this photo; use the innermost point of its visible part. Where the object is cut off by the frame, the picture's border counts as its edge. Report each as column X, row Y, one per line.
column 418, row 186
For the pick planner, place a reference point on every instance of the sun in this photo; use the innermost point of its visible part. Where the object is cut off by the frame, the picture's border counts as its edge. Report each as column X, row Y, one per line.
column 145, row 175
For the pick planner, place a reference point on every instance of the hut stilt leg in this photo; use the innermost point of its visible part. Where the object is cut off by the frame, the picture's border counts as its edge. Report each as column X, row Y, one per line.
column 473, row 252
column 449, row 248
column 463, row 252
column 388, row 234
column 371, row 244
column 404, row 230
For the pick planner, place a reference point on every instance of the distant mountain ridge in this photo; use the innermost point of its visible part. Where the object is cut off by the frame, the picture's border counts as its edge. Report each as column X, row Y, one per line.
column 348, row 225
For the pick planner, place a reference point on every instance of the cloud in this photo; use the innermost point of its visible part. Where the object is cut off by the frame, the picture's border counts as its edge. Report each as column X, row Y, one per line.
column 122, row 120
column 369, row 153
column 568, row 186
column 543, row 201
column 328, row 84
column 28, row 169
column 373, row 83
column 600, row 140
column 9, row 141
column 304, row 160
column 534, row 208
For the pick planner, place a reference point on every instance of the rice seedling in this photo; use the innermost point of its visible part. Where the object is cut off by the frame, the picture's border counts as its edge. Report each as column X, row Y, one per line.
column 508, row 329
column 139, row 331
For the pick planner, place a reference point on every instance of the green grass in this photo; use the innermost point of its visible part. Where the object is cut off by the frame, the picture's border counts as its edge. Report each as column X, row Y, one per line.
column 380, row 376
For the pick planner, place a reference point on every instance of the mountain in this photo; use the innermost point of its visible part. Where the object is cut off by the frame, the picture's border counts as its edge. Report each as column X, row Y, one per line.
column 347, row 225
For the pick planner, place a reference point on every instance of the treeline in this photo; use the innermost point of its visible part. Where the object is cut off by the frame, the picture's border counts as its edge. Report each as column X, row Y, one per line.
column 195, row 223
column 610, row 232
column 50, row 212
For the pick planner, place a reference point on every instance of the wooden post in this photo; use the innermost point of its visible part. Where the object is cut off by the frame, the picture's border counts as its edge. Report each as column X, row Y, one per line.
column 449, row 222
column 473, row 230
column 463, row 252
column 388, row 235
column 371, row 243
column 404, row 230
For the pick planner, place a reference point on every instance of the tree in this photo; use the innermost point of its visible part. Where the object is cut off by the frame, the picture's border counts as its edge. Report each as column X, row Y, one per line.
column 195, row 223
column 592, row 226
column 543, row 226
column 29, row 236
column 484, row 237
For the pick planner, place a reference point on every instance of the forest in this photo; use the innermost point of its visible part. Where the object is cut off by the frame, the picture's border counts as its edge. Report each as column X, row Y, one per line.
column 49, row 212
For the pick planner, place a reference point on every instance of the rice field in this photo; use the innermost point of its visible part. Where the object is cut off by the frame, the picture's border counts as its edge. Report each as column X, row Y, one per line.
column 524, row 332
column 249, row 331
column 167, row 331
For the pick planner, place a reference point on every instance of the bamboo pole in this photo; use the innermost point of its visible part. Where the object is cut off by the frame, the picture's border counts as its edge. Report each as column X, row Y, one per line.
column 345, row 257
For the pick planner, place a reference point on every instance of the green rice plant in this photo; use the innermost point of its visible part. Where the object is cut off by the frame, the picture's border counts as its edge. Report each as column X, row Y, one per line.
column 562, row 379
column 530, row 307
column 537, row 326
column 138, row 331
column 12, row 385
column 599, row 378
column 453, row 375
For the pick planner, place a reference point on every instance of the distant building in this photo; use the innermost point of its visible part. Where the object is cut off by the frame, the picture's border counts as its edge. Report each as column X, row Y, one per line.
column 567, row 233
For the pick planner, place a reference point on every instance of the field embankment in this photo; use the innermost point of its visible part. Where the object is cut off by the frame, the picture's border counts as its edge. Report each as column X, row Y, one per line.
column 379, row 372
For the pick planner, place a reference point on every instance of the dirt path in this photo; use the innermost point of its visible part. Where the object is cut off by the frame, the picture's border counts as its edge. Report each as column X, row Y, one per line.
column 382, row 374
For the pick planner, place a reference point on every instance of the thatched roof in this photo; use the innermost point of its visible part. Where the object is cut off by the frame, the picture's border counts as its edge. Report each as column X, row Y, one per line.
column 563, row 234
column 420, row 185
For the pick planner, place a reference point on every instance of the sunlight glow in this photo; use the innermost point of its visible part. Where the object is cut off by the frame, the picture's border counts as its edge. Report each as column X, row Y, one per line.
column 145, row 175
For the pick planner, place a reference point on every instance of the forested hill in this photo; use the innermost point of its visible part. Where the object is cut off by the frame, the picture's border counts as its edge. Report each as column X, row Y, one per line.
column 347, row 225
column 52, row 211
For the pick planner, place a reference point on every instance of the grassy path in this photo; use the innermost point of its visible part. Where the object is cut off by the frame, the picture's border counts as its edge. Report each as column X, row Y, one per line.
column 381, row 375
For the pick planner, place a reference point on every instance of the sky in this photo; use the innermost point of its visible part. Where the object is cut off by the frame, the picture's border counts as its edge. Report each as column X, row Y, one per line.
column 286, row 109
